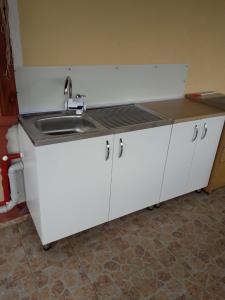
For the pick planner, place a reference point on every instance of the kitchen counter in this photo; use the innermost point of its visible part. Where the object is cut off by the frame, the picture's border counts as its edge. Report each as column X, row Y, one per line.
column 183, row 110
column 217, row 101
column 170, row 111
column 217, row 178
column 39, row 138
column 122, row 170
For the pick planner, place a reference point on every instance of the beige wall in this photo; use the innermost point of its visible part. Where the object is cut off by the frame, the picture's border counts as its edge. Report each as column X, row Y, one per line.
column 70, row 32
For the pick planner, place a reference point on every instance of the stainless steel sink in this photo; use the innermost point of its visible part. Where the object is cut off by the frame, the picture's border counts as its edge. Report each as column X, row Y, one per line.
column 122, row 116
column 65, row 124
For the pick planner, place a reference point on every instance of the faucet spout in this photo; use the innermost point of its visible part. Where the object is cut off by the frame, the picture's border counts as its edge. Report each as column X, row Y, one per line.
column 68, row 87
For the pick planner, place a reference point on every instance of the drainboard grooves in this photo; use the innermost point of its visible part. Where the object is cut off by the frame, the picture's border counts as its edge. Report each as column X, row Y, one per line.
column 120, row 116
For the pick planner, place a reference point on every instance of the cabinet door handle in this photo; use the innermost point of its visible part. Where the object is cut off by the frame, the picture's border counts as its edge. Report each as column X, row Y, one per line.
column 107, row 150
column 195, row 133
column 121, row 148
column 204, row 131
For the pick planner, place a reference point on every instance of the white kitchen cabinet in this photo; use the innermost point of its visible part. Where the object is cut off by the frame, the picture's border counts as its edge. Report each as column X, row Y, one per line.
column 204, row 154
column 181, row 149
column 67, row 185
column 138, row 165
column 75, row 185
column 190, row 157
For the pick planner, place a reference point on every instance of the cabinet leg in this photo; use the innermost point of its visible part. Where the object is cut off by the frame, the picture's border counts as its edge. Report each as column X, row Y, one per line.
column 198, row 191
column 150, row 207
column 157, row 205
column 47, row 247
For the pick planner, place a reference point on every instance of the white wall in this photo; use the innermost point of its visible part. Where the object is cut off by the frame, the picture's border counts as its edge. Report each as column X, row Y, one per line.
column 41, row 88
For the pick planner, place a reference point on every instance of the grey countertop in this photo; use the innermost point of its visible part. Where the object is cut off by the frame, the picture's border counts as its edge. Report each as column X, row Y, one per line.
column 39, row 139
column 170, row 111
column 184, row 110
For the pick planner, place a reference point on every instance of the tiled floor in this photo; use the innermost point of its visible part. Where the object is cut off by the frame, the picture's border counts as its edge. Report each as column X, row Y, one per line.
column 174, row 252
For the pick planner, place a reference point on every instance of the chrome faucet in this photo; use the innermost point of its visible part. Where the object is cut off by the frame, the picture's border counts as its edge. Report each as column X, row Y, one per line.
column 71, row 103
column 68, row 87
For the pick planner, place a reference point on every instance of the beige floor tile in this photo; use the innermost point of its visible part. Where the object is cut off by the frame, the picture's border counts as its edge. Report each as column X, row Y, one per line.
column 20, row 289
column 64, row 280
column 175, row 252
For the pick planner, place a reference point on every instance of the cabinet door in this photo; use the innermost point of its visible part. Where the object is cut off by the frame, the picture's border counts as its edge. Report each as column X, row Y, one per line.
column 205, row 152
column 182, row 145
column 138, row 163
column 74, row 186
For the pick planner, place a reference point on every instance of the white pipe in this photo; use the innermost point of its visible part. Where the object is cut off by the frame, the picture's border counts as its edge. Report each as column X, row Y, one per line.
column 13, row 187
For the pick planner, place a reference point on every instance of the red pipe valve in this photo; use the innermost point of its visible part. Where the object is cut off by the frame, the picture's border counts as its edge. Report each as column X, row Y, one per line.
column 5, row 164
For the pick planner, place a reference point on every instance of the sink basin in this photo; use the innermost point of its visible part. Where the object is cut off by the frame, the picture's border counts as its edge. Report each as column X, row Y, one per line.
column 64, row 124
